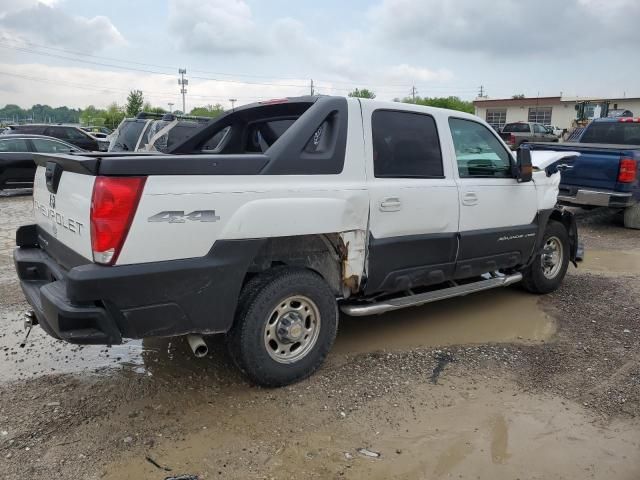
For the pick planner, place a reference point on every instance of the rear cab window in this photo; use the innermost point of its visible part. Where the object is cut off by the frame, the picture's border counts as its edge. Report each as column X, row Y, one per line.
column 405, row 145
column 516, row 128
column 479, row 153
column 618, row 133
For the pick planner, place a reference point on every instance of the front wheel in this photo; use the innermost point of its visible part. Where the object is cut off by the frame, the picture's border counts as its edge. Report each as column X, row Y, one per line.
column 548, row 269
column 286, row 323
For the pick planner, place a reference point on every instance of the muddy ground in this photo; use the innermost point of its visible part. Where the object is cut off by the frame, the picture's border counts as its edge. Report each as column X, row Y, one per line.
column 500, row 385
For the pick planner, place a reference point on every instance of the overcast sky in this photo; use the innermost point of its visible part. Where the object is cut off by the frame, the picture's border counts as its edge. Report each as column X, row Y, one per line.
column 80, row 52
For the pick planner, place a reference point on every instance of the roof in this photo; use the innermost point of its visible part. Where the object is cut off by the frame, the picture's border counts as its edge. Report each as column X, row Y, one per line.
column 516, row 102
column 543, row 101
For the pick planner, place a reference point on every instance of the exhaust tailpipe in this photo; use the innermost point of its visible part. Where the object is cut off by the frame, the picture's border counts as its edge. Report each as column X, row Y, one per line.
column 198, row 345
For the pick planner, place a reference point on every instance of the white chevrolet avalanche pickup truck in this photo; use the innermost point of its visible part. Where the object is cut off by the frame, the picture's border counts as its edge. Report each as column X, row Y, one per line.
column 274, row 216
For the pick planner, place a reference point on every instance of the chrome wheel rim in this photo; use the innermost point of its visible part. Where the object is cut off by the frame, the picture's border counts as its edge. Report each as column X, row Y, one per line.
column 292, row 329
column 552, row 256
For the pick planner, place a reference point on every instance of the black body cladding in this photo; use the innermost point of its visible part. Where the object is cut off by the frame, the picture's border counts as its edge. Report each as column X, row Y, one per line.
column 95, row 304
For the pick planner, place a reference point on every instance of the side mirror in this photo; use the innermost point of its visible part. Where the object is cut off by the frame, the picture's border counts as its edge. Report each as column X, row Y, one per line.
column 524, row 167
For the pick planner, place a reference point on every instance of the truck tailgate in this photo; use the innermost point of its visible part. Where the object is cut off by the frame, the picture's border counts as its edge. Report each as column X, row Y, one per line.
column 597, row 167
column 62, row 203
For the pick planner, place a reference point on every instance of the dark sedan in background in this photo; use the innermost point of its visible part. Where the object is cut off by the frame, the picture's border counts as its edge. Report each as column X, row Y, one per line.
column 17, row 167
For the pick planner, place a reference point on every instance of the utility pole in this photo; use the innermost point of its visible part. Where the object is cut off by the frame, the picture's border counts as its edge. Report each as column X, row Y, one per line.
column 233, row 103
column 414, row 90
column 312, row 90
column 481, row 94
column 171, row 107
column 183, row 82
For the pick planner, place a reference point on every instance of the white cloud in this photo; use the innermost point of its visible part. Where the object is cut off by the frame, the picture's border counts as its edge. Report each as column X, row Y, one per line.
column 507, row 27
column 214, row 26
column 407, row 73
column 28, row 84
column 45, row 23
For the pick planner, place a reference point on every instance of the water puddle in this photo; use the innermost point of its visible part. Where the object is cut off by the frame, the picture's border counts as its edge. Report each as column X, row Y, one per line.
column 501, row 315
column 612, row 262
column 493, row 431
column 505, row 315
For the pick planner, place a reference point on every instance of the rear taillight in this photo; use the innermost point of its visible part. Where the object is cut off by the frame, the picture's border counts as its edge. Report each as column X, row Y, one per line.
column 113, row 205
column 511, row 140
column 628, row 170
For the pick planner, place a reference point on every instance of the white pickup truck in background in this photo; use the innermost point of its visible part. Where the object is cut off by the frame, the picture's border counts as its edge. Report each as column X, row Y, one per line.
column 276, row 215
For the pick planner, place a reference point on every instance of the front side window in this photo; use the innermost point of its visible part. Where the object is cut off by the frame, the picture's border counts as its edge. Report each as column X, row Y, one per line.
column 539, row 129
column 50, row 146
column 478, row 152
column 13, row 145
column 405, row 145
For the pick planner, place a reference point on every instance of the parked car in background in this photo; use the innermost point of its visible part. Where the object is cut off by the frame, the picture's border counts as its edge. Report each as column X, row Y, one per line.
column 94, row 130
column 70, row 134
column 517, row 133
column 17, row 167
column 557, row 131
column 606, row 172
column 154, row 132
column 619, row 112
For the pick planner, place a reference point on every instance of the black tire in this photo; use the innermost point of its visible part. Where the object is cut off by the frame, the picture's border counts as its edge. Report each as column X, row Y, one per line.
column 534, row 278
column 632, row 216
column 258, row 299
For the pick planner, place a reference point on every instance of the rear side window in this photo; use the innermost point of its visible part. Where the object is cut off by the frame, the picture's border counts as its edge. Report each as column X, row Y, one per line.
column 29, row 129
column 13, row 145
column 620, row 133
column 405, row 145
column 516, row 128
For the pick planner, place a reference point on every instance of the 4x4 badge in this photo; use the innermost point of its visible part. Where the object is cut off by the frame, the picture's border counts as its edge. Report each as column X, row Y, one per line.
column 178, row 216
column 52, row 201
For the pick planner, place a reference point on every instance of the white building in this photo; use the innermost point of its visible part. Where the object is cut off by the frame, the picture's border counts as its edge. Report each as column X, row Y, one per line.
column 557, row 111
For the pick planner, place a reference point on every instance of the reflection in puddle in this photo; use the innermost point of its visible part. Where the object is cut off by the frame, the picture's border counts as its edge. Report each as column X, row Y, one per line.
column 501, row 315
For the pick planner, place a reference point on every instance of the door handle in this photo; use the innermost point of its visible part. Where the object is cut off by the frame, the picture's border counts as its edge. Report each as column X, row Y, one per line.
column 469, row 198
column 390, row 204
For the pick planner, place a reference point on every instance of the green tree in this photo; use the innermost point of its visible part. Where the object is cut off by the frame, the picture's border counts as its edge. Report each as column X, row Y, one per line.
column 92, row 116
column 362, row 93
column 207, row 111
column 135, row 101
column 452, row 103
column 147, row 107
column 114, row 114
column 518, row 96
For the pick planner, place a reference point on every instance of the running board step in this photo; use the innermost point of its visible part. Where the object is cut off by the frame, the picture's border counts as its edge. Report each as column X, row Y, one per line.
column 360, row 309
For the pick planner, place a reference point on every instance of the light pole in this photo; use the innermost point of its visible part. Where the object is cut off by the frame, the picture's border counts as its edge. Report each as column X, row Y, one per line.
column 183, row 82
column 171, row 107
column 233, row 102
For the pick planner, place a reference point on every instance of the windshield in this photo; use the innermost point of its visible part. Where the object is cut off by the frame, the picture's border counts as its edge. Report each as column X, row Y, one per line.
column 619, row 133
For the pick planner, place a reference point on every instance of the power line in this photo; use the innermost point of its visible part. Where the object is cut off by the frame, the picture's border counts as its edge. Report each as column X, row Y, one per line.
column 3, row 44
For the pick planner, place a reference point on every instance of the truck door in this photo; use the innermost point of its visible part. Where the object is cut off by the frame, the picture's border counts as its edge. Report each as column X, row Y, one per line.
column 413, row 201
column 497, row 214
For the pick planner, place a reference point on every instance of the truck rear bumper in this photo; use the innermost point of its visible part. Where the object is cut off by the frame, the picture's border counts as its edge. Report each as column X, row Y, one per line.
column 598, row 198
column 93, row 304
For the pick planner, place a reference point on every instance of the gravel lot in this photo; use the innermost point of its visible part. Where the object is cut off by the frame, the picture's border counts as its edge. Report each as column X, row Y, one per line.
column 500, row 385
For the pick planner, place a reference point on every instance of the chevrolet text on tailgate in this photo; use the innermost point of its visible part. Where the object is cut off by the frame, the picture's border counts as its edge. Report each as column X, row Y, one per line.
column 273, row 217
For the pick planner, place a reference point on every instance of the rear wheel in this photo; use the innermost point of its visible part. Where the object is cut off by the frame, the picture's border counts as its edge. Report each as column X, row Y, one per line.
column 285, row 326
column 632, row 216
column 550, row 266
